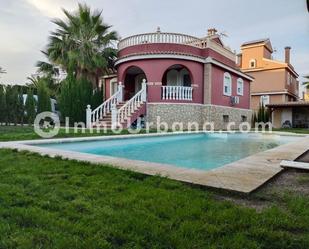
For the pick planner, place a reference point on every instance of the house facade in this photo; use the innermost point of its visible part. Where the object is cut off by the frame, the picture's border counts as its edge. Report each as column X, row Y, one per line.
column 176, row 78
column 275, row 81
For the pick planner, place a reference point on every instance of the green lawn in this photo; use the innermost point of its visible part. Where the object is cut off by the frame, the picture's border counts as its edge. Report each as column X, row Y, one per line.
column 14, row 133
column 294, row 130
column 54, row 203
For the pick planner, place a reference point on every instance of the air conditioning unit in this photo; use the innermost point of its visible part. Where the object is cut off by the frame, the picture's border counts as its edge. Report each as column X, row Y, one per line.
column 234, row 100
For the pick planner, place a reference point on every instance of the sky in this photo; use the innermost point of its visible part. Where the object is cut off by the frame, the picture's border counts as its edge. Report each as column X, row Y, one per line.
column 25, row 25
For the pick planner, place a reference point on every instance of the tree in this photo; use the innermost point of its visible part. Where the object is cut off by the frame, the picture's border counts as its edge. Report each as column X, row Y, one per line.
column 20, row 107
column 30, row 107
column 82, row 45
column 263, row 114
column 12, row 103
column 306, row 84
column 44, row 103
column 2, row 71
column 74, row 98
column 3, row 113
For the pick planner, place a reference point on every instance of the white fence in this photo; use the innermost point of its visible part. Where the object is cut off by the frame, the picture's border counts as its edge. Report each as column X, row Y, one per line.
column 177, row 93
column 159, row 37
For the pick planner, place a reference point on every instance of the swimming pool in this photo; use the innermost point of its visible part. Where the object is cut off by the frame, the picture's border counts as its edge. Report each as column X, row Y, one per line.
column 195, row 151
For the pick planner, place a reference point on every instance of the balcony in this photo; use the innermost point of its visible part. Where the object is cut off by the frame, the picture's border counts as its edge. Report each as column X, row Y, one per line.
column 177, row 93
column 159, row 37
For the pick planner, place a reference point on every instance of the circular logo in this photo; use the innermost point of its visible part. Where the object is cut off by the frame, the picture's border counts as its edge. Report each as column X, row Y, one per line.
column 47, row 124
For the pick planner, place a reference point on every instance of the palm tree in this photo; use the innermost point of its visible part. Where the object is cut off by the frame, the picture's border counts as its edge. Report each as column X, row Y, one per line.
column 306, row 84
column 82, row 44
column 36, row 81
column 2, row 70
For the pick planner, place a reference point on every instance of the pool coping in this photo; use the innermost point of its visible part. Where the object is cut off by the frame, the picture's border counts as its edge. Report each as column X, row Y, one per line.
column 244, row 175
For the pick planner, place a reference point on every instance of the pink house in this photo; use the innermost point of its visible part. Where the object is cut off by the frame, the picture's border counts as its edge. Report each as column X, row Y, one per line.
column 178, row 78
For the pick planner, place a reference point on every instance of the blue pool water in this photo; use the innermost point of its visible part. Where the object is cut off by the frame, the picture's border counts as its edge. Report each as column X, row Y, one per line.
column 199, row 151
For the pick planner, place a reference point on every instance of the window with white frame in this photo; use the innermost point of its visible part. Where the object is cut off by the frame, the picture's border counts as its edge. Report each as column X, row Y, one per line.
column 252, row 63
column 227, row 84
column 264, row 100
column 240, row 87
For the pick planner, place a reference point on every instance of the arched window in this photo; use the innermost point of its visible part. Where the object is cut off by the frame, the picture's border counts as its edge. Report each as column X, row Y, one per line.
column 240, row 86
column 227, row 84
column 252, row 63
column 177, row 75
column 172, row 77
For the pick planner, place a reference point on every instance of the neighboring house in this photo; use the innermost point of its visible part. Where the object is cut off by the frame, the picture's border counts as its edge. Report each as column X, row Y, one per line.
column 306, row 91
column 189, row 79
column 306, row 95
column 275, row 82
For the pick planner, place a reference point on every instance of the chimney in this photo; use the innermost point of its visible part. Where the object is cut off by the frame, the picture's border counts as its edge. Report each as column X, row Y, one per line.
column 287, row 54
column 211, row 32
column 239, row 60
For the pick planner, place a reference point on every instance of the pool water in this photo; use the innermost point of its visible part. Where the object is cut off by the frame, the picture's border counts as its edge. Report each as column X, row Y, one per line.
column 198, row 151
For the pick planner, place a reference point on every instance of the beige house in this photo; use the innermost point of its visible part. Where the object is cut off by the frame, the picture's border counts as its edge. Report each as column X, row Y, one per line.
column 275, row 81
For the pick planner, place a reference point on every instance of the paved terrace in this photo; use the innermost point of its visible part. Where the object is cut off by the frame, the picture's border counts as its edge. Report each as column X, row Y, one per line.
column 245, row 175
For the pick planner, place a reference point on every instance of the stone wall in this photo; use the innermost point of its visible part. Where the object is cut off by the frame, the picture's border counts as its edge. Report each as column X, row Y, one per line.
column 195, row 113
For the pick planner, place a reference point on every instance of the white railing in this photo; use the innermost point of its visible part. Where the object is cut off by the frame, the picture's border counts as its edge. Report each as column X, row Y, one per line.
column 177, row 93
column 121, row 115
column 160, row 37
column 105, row 108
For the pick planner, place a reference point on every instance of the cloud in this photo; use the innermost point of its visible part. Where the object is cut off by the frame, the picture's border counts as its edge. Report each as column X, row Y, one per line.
column 51, row 8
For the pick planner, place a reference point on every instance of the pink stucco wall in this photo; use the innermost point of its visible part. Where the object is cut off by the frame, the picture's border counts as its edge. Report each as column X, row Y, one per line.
column 155, row 69
column 175, row 48
column 107, row 88
column 217, row 89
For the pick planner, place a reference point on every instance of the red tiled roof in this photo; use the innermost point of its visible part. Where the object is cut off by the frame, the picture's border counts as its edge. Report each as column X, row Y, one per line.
column 290, row 104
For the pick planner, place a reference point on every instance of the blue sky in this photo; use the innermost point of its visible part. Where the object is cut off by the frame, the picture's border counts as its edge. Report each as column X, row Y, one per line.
column 25, row 25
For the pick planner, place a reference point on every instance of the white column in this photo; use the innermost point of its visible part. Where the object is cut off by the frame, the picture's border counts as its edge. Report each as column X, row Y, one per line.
column 114, row 116
column 144, row 93
column 120, row 90
column 88, row 117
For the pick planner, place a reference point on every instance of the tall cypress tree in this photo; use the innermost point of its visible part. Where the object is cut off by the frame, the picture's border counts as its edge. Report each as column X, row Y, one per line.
column 11, row 103
column 30, row 107
column 20, row 107
column 2, row 105
column 44, row 103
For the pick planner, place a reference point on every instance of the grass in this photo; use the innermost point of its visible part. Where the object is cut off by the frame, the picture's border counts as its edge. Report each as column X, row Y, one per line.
column 294, row 130
column 15, row 133
column 55, row 203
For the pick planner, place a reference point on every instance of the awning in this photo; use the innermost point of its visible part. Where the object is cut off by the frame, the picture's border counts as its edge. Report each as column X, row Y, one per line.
column 289, row 104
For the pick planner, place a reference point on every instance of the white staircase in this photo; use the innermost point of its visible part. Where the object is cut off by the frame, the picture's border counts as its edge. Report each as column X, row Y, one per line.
column 114, row 112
